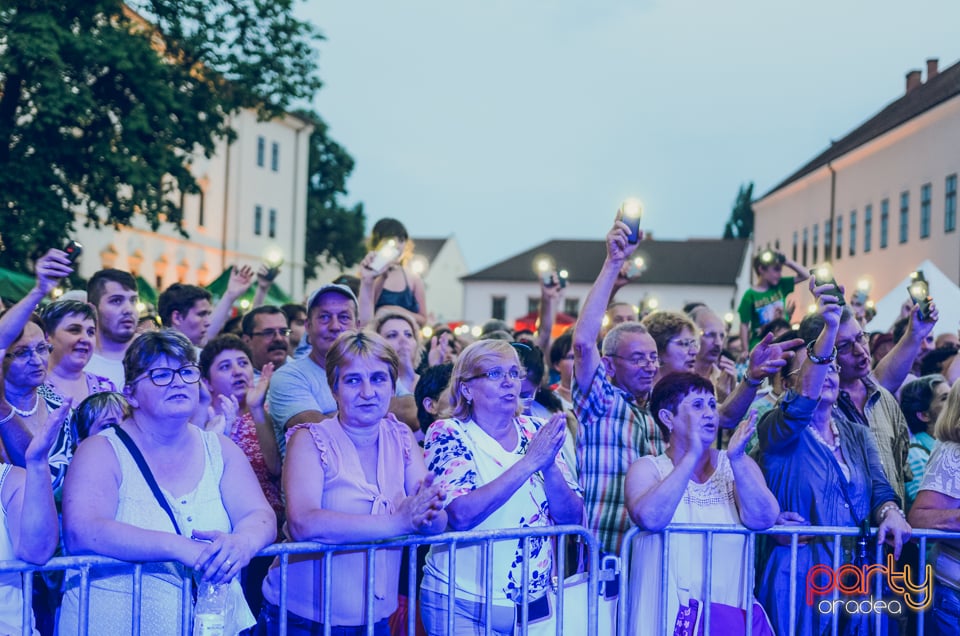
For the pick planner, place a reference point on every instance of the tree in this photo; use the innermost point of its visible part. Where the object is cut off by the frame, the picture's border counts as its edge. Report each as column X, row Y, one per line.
column 334, row 232
column 101, row 108
column 740, row 224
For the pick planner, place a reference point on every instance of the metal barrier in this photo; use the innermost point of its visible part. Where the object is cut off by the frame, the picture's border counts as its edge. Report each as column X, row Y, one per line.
column 749, row 570
column 85, row 564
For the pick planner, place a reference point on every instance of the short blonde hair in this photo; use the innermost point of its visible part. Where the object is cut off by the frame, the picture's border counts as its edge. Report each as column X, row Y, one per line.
column 473, row 361
column 947, row 428
column 360, row 344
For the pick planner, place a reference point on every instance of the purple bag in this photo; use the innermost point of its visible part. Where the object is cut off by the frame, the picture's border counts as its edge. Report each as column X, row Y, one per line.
column 724, row 619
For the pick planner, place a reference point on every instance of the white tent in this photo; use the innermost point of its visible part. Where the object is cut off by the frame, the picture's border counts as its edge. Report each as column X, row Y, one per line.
column 945, row 295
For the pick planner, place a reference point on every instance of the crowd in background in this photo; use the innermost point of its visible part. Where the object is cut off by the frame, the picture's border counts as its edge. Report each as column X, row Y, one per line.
column 191, row 438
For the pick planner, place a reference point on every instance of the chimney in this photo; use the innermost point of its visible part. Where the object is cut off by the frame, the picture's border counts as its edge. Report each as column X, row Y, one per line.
column 932, row 68
column 913, row 80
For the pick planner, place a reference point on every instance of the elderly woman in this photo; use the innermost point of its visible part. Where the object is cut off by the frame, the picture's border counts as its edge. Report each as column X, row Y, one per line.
column 212, row 517
column 937, row 506
column 693, row 483
column 677, row 341
column 499, row 470
column 358, row 476
column 29, row 533
column 72, row 328
column 827, row 470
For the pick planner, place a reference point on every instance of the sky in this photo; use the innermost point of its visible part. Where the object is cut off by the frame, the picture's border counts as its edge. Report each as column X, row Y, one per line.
column 507, row 124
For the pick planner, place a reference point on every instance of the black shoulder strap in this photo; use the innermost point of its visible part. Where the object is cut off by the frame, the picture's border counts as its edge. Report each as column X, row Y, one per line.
column 147, row 475
column 921, row 447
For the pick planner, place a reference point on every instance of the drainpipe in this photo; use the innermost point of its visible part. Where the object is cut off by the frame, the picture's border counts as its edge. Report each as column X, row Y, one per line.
column 833, row 204
column 226, row 208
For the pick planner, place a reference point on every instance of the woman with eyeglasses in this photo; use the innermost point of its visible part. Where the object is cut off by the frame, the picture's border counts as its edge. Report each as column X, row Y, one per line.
column 677, row 341
column 825, row 471
column 498, row 469
column 206, row 515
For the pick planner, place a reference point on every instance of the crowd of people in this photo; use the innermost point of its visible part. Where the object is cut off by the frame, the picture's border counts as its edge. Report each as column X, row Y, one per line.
column 191, row 440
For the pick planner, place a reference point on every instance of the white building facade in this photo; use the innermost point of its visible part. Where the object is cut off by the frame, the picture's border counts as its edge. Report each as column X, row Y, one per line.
column 253, row 202
column 881, row 200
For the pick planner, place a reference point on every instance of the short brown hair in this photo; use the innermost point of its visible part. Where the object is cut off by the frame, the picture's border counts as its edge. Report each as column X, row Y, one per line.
column 664, row 325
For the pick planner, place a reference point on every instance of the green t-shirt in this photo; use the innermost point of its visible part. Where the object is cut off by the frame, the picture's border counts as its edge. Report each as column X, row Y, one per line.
column 757, row 308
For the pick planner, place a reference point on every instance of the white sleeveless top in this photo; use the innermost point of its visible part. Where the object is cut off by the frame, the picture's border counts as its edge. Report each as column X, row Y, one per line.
column 11, row 591
column 200, row 509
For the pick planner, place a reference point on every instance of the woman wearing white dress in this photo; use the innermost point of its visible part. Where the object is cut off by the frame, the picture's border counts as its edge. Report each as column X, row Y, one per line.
column 692, row 483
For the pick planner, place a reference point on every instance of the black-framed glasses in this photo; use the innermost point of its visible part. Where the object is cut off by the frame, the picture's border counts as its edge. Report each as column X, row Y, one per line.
column 497, row 374
column 639, row 360
column 163, row 376
column 273, row 333
column 847, row 346
column 41, row 350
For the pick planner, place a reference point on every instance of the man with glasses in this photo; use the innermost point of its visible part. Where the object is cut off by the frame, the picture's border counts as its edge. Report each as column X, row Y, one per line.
column 610, row 390
column 266, row 332
column 299, row 391
column 710, row 363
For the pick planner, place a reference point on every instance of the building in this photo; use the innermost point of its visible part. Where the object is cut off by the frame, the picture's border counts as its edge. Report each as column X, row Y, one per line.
column 253, row 201
column 676, row 273
column 440, row 263
column 883, row 198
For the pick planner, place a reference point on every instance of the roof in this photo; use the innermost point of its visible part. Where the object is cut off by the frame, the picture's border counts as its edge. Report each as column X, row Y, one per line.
column 690, row 262
column 428, row 247
column 944, row 86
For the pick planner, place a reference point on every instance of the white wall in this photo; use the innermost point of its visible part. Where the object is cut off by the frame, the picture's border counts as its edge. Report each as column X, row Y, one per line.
column 442, row 283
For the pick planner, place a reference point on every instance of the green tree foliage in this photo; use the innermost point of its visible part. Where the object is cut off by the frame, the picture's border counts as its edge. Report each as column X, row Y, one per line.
column 740, row 224
column 101, row 107
column 334, row 233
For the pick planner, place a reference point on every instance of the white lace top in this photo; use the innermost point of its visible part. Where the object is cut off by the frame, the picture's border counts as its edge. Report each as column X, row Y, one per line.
column 943, row 470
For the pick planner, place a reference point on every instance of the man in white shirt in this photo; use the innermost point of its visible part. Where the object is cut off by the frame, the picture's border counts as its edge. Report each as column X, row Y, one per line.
column 114, row 294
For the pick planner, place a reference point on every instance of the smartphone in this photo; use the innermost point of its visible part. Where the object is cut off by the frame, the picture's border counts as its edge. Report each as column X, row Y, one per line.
column 919, row 290
column 636, row 267
column 631, row 211
column 547, row 278
column 824, row 276
column 562, row 276
column 273, row 269
column 387, row 253
column 73, row 249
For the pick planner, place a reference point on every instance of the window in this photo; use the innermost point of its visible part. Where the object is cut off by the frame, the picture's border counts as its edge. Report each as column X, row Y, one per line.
column 884, row 222
column 816, row 243
column 499, row 308
column 867, row 228
column 275, row 156
column 806, row 234
column 827, row 240
column 839, row 237
column 201, row 213
column 925, row 210
column 272, row 227
column 904, row 216
column 533, row 304
column 571, row 306
column 261, row 150
column 950, row 205
column 258, row 220
column 796, row 245
column 853, row 232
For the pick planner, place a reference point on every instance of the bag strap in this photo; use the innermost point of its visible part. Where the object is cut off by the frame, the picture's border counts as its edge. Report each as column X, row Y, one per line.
column 921, row 447
column 124, row 437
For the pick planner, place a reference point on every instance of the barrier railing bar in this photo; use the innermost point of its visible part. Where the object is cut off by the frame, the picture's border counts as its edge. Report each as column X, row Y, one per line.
column 27, row 609
column 327, row 593
column 709, row 583
column 138, row 598
column 488, row 588
column 923, row 569
column 284, row 571
column 560, row 560
column 792, row 607
column 879, row 587
column 411, row 589
column 371, row 581
column 664, row 581
column 837, row 548
column 749, row 582
column 83, row 616
column 452, row 560
column 525, row 587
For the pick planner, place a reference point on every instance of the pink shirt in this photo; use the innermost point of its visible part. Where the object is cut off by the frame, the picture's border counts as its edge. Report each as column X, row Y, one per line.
column 345, row 489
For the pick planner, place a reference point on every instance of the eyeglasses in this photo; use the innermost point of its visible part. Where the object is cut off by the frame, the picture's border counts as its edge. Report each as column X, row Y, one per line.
column 164, row 376
column 640, row 360
column 847, row 346
column 712, row 335
column 689, row 343
column 24, row 354
column 497, row 374
column 272, row 333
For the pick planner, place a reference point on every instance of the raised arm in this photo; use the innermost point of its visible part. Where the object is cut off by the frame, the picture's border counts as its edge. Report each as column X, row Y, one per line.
column 266, row 436
column 757, row 506
column 802, row 273
column 239, row 282
column 50, row 268
column 586, row 355
column 765, row 359
column 550, row 297
column 892, row 370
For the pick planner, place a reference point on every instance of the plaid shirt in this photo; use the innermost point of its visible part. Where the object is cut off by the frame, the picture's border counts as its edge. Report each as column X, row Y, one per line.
column 882, row 415
column 613, row 433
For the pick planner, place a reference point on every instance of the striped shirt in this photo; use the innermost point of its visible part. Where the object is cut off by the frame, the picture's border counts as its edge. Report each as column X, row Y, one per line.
column 614, row 432
column 921, row 445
